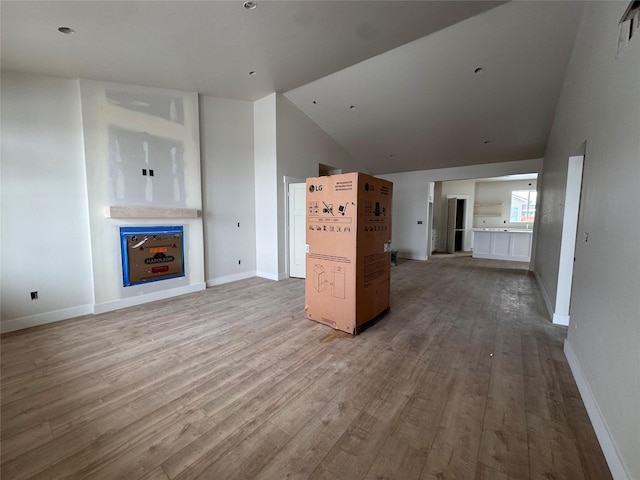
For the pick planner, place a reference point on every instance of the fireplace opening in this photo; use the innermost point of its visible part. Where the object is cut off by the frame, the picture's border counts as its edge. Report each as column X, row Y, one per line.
column 151, row 254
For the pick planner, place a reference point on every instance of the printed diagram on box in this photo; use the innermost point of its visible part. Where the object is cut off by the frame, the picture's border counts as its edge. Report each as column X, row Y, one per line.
column 374, row 209
column 376, row 228
column 329, row 228
column 315, row 209
column 338, row 281
column 342, row 209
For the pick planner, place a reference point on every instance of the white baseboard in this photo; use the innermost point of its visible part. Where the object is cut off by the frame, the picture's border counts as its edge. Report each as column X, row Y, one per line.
column 545, row 295
column 616, row 465
column 268, row 276
column 556, row 318
column 149, row 297
column 230, row 278
column 413, row 257
column 44, row 318
column 560, row 319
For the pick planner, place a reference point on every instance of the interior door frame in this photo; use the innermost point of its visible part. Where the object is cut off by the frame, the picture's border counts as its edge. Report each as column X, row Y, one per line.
column 466, row 198
column 452, row 213
column 288, row 180
column 430, row 246
column 568, row 240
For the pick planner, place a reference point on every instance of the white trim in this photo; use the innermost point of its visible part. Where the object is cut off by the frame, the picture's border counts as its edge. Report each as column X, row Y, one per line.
column 230, row 278
column 150, row 297
column 413, row 257
column 569, row 234
column 545, row 295
column 468, row 214
column 268, row 276
column 560, row 319
column 287, row 228
column 44, row 318
column 611, row 454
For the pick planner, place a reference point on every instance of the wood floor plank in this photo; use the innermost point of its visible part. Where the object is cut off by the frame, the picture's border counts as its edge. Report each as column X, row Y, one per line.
column 28, row 439
column 408, row 444
column 464, row 378
column 454, row 451
column 301, row 456
column 552, row 450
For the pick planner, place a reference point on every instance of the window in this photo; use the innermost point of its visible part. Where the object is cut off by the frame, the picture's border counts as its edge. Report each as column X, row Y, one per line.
column 523, row 206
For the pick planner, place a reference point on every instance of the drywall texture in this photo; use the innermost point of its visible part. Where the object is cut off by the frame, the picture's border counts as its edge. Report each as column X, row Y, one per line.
column 45, row 231
column 128, row 132
column 226, row 133
column 600, row 104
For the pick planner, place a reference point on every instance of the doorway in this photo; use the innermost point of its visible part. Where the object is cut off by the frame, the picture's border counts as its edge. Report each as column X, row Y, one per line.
column 295, row 215
column 456, row 214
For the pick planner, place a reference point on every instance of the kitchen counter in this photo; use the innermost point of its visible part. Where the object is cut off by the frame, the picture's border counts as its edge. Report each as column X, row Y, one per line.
column 502, row 243
column 522, row 230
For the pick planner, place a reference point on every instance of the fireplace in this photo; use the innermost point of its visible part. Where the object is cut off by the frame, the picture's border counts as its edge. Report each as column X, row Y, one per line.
column 151, row 254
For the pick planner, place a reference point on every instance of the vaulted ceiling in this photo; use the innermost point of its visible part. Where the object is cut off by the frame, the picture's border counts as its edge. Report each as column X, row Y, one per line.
column 401, row 85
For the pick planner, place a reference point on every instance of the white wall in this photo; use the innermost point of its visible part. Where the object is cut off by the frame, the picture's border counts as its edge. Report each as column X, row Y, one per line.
column 301, row 147
column 411, row 190
column 266, row 181
column 226, row 133
column 45, row 227
column 600, row 104
column 105, row 186
column 409, row 206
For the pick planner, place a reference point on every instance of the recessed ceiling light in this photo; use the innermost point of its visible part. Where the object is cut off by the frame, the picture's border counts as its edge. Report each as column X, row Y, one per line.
column 66, row 30
column 478, row 70
column 250, row 5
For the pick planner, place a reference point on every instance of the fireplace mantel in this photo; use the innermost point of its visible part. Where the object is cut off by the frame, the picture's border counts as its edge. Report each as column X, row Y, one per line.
column 133, row 211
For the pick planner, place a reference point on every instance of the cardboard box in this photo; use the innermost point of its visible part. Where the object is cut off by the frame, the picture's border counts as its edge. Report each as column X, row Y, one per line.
column 348, row 250
column 150, row 254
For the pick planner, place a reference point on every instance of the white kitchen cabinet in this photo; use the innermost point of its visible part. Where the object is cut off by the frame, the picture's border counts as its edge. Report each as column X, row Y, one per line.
column 502, row 244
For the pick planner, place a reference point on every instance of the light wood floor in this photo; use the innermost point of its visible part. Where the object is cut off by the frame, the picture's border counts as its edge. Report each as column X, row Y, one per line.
column 464, row 379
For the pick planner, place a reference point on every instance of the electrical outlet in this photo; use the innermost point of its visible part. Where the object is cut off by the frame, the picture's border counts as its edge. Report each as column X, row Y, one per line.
column 34, row 295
